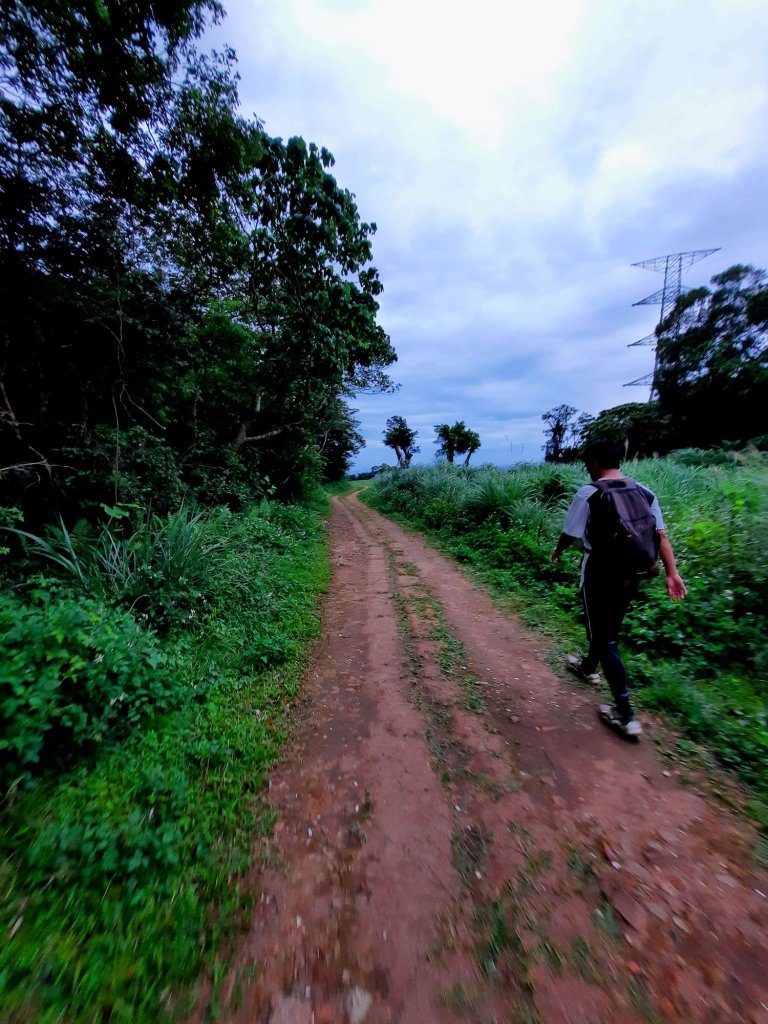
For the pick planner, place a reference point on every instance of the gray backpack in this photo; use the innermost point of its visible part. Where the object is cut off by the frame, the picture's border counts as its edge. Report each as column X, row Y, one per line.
column 622, row 529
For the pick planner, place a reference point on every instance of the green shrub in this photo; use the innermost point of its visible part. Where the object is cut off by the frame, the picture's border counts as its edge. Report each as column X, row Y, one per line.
column 704, row 457
column 128, row 871
column 131, row 466
column 75, row 673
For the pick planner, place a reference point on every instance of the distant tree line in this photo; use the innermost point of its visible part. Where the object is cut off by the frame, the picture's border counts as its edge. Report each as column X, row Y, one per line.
column 711, row 381
column 451, row 440
column 187, row 303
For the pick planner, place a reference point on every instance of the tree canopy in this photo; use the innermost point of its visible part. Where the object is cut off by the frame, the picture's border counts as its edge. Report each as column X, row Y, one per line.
column 456, row 440
column 640, row 426
column 186, row 301
column 712, row 375
column 562, row 433
column 402, row 440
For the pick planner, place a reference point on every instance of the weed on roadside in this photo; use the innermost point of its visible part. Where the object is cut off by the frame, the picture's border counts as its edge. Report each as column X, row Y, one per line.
column 582, row 960
column 580, row 865
column 606, row 921
column 537, row 863
column 458, row 999
column 355, row 834
column 520, row 1014
column 552, row 956
column 126, row 872
column 469, row 847
column 642, row 1002
column 523, row 835
column 500, row 951
column 451, row 759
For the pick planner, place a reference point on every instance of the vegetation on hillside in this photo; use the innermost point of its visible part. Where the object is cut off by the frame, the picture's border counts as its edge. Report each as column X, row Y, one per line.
column 142, row 709
column 187, row 302
column 702, row 660
column 187, row 307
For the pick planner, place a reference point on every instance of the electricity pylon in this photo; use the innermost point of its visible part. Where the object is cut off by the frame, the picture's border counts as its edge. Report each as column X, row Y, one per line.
column 672, row 266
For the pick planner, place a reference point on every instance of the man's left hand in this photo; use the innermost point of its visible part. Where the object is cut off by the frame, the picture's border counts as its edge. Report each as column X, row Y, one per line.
column 675, row 587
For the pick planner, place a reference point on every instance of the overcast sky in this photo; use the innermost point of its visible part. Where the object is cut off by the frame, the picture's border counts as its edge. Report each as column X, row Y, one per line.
column 517, row 157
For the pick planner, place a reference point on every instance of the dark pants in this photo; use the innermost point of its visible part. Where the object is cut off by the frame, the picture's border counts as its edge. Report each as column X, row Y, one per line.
column 607, row 598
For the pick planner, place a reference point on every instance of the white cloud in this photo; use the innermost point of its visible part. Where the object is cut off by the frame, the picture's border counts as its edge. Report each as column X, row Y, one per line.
column 517, row 158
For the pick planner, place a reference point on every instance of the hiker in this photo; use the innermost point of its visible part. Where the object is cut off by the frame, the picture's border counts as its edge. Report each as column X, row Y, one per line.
column 621, row 527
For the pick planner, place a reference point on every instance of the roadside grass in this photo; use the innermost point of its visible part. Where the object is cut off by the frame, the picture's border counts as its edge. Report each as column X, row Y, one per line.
column 702, row 662
column 123, row 875
column 500, row 951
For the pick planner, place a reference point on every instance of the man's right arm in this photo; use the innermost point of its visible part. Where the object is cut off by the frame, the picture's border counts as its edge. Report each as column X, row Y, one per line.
column 564, row 542
column 575, row 523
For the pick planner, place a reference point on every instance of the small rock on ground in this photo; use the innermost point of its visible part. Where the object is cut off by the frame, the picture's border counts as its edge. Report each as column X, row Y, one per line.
column 358, row 1004
column 290, row 1010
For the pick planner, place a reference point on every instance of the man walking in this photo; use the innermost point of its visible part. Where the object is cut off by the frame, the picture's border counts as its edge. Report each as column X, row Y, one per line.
column 620, row 525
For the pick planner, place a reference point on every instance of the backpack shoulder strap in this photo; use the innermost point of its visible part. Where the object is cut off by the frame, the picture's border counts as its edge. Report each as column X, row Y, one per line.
column 628, row 483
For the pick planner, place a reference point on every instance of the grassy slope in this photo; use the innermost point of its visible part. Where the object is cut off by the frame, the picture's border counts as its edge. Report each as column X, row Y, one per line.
column 120, row 879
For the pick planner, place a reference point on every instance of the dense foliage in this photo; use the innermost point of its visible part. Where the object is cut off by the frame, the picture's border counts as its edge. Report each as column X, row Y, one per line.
column 73, row 674
column 138, row 769
column 641, row 426
column 185, row 301
column 712, row 375
column 456, row 439
column 401, row 439
column 187, row 306
column 703, row 660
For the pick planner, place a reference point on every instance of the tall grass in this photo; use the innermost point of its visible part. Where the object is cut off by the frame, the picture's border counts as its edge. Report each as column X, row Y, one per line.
column 160, row 566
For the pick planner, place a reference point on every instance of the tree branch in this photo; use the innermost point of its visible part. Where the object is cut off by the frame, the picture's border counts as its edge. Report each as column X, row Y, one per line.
column 260, row 437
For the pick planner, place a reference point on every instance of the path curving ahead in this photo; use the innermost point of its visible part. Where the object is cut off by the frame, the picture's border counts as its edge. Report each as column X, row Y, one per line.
column 459, row 838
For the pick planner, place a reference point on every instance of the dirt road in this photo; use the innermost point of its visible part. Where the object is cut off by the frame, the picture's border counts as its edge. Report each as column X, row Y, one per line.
column 459, row 838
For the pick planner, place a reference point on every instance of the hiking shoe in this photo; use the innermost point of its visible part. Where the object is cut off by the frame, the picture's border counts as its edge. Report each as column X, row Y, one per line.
column 573, row 664
column 610, row 715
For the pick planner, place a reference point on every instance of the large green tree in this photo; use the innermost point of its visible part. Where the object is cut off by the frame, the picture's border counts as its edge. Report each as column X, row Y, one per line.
column 401, row 439
column 641, row 427
column 562, row 433
column 340, row 441
column 455, row 440
column 310, row 290
column 109, row 165
column 712, row 374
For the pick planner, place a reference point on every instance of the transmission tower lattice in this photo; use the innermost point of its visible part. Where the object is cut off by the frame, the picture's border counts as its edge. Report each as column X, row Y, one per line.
column 672, row 266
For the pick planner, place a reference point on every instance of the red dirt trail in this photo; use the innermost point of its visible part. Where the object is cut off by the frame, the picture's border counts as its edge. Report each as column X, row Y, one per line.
column 459, row 838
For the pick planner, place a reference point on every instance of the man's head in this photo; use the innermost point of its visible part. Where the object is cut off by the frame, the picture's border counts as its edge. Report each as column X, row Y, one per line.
column 601, row 455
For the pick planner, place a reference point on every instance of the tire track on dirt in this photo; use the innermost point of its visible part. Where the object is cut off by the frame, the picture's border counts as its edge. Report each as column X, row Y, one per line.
column 458, row 839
